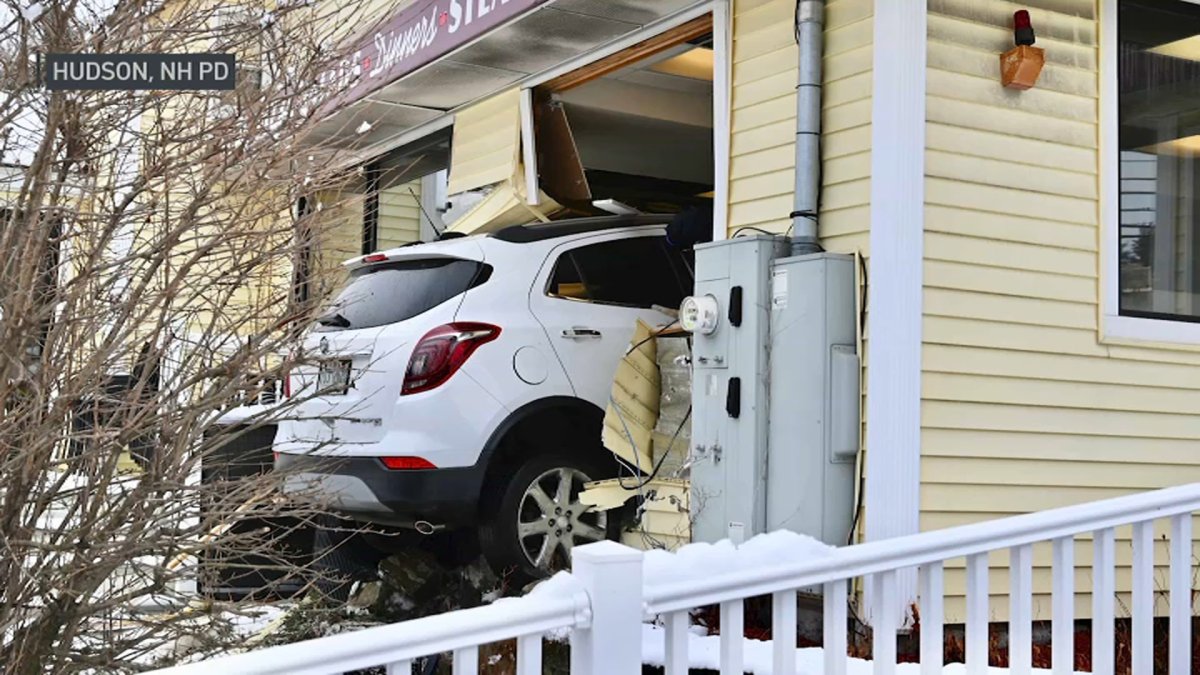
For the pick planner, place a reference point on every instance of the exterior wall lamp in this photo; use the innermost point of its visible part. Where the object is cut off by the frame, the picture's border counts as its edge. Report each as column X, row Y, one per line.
column 1021, row 65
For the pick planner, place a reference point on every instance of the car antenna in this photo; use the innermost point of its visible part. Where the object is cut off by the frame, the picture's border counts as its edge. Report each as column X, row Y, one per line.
column 424, row 212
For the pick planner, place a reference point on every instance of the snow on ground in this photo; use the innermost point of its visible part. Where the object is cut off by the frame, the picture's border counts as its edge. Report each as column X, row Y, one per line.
column 704, row 651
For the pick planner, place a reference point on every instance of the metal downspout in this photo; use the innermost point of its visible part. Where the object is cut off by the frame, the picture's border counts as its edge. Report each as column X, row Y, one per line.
column 810, row 20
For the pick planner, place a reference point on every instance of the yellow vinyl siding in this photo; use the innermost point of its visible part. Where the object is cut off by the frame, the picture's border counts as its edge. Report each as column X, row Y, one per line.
column 399, row 215
column 1023, row 408
column 486, row 142
column 338, row 229
column 763, row 120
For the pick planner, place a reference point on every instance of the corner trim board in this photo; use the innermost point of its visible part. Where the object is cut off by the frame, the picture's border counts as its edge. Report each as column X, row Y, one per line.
column 722, row 53
column 893, row 446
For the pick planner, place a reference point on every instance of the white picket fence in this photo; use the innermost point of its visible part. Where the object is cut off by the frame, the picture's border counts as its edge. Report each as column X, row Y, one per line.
column 604, row 602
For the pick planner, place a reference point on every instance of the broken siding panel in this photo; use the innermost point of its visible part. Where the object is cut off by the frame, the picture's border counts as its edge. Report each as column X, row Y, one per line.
column 486, row 142
column 762, row 147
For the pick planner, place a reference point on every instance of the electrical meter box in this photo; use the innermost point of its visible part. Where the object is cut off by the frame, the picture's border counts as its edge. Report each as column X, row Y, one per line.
column 775, row 391
column 729, row 388
column 812, row 440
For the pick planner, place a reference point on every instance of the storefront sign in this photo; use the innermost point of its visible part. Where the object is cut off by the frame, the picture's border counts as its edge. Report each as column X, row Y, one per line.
column 421, row 33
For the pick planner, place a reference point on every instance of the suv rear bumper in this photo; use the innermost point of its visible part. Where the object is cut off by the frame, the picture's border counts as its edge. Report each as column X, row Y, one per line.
column 362, row 488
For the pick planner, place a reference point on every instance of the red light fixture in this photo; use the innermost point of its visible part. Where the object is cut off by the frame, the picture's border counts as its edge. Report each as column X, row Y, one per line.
column 407, row 463
column 1023, row 28
column 1021, row 65
column 442, row 351
column 374, row 258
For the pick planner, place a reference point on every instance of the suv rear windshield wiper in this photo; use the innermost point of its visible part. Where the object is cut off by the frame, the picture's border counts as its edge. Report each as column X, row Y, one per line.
column 336, row 320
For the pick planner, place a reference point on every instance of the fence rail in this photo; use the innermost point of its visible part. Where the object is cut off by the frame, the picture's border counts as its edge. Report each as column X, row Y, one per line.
column 397, row 645
column 604, row 602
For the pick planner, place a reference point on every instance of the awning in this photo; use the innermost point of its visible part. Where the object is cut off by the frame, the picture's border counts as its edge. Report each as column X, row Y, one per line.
column 416, row 68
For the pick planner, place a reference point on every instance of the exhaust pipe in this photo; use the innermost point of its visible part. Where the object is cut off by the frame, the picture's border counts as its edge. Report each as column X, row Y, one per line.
column 427, row 528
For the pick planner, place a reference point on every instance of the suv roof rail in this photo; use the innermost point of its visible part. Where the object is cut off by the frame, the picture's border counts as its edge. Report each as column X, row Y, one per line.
column 524, row 234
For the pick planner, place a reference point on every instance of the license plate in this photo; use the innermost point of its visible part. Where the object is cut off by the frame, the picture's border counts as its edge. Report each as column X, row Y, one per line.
column 333, row 377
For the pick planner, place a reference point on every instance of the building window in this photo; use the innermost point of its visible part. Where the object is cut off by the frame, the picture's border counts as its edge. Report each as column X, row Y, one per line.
column 1158, row 76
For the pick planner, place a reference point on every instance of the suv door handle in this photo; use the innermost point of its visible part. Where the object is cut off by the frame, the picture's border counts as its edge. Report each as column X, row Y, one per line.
column 577, row 333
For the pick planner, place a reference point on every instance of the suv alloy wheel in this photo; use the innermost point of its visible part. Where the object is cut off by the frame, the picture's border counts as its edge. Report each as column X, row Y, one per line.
column 538, row 518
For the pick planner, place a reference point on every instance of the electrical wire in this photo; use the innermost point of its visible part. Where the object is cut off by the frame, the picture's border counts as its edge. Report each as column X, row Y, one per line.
column 621, row 417
column 656, row 334
column 657, row 465
column 862, row 323
column 759, row 230
column 436, row 232
column 796, row 22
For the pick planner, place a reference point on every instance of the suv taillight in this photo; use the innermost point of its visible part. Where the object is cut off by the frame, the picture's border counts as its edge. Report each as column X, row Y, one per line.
column 442, row 351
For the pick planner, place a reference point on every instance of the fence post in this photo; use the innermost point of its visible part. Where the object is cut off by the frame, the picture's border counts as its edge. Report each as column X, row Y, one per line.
column 612, row 576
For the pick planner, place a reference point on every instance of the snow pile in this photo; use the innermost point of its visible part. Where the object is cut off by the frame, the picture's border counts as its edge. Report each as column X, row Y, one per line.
column 703, row 561
column 558, row 585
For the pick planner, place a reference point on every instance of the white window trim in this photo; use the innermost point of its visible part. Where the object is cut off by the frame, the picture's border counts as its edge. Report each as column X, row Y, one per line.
column 1113, row 326
column 722, row 60
column 533, row 188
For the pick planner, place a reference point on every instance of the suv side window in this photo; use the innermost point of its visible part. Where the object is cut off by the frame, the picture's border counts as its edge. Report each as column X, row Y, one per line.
column 634, row 272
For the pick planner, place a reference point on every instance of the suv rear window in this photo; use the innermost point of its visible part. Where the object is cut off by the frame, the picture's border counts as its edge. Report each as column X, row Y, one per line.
column 386, row 293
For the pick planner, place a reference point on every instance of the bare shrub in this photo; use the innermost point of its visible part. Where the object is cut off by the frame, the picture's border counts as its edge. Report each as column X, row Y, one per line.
column 147, row 285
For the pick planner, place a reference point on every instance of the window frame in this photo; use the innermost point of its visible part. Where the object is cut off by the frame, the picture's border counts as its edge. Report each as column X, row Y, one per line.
column 562, row 252
column 1115, row 327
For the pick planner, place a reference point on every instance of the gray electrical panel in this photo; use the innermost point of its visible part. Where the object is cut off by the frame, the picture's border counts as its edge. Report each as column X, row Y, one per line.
column 775, row 392
column 729, row 389
column 812, row 439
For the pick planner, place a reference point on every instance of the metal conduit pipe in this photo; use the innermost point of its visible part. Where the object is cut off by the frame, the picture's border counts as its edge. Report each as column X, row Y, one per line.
column 810, row 26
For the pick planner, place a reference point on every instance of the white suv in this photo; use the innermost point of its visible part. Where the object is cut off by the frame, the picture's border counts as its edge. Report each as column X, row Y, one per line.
column 463, row 383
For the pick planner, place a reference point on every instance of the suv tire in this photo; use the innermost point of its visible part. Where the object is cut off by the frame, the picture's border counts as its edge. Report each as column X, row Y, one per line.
column 535, row 518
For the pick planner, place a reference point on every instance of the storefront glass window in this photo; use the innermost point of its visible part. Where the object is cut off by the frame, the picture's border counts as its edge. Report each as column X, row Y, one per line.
column 1159, row 141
